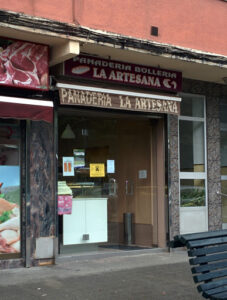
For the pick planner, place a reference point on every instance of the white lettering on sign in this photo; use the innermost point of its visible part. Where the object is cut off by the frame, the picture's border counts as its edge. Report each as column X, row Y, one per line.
column 124, row 73
column 106, row 100
column 126, row 77
column 125, row 103
column 101, row 74
column 102, row 63
column 70, row 96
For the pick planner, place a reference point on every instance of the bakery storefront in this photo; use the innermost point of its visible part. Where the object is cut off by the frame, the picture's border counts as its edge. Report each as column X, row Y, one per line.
column 112, row 154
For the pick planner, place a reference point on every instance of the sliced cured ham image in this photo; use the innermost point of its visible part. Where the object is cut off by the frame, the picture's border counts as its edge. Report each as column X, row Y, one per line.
column 24, row 64
column 5, row 248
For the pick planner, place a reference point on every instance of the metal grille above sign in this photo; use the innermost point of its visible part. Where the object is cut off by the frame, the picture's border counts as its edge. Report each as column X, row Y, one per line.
column 114, row 99
column 123, row 73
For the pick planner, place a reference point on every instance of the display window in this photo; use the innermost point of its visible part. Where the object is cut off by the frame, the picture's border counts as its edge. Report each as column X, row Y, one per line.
column 10, row 203
column 107, row 180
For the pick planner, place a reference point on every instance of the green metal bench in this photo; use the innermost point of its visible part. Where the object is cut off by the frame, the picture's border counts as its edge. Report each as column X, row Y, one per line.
column 208, row 260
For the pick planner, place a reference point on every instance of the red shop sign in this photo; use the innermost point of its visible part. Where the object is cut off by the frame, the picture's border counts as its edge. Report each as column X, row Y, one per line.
column 124, row 73
column 24, row 64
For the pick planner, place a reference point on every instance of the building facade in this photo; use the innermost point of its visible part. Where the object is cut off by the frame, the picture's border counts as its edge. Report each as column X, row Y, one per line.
column 116, row 137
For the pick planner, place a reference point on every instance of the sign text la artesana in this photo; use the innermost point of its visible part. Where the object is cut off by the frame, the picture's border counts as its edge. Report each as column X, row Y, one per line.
column 123, row 73
column 113, row 101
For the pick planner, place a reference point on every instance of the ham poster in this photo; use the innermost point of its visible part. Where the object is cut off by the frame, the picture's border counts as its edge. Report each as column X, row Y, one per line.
column 23, row 64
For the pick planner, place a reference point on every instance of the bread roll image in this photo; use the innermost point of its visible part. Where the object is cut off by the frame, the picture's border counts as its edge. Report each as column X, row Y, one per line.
column 79, row 70
column 6, row 205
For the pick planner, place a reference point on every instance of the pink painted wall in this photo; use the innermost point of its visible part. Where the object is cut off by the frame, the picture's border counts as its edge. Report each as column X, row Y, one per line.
column 60, row 10
column 197, row 24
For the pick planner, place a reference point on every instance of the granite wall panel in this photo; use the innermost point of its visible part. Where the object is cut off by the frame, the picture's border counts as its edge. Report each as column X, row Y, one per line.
column 42, row 197
column 173, row 176
column 213, row 165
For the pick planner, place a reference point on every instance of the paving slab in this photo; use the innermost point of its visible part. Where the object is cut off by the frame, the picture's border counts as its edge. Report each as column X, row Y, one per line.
column 129, row 276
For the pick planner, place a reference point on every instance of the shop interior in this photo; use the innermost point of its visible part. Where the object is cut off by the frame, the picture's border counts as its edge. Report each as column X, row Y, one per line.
column 107, row 163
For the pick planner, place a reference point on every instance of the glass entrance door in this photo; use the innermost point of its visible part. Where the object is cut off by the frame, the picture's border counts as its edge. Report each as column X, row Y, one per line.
column 108, row 163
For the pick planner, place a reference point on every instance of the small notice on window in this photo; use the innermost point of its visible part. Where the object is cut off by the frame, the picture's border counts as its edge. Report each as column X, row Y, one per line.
column 110, row 166
column 68, row 166
column 79, row 158
column 97, row 170
column 142, row 174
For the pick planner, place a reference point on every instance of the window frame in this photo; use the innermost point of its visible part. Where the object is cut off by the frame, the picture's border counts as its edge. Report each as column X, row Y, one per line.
column 193, row 175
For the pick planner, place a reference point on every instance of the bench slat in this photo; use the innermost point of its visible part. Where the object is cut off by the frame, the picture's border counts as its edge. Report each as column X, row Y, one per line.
column 201, row 235
column 209, row 267
column 207, row 250
column 210, row 275
column 206, row 242
column 220, row 296
column 215, row 291
column 211, row 285
column 208, row 258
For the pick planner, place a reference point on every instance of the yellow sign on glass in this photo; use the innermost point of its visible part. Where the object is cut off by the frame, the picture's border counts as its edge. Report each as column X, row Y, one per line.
column 97, row 170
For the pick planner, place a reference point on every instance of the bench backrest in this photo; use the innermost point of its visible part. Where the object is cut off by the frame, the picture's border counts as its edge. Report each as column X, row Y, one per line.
column 208, row 258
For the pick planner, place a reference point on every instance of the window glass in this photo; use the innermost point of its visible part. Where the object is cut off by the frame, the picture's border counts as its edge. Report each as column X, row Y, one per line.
column 223, row 142
column 224, row 200
column 224, row 152
column 223, row 113
column 191, row 146
column 192, row 192
column 192, row 106
column 9, row 187
column 223, row 146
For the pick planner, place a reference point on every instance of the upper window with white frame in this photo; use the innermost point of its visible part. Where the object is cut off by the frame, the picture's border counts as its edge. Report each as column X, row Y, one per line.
column 191, row 133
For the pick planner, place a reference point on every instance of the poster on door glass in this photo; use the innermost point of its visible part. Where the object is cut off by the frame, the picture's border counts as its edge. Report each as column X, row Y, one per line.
column 79, row 158
column 9, row 206
column 68, row 165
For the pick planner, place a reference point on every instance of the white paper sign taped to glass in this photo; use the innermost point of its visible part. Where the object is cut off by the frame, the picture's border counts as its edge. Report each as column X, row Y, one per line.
column 68, row 166
column 110, row 166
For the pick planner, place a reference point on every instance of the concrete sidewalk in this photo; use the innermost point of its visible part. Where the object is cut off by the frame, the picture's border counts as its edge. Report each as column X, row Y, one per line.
column 131, row 275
